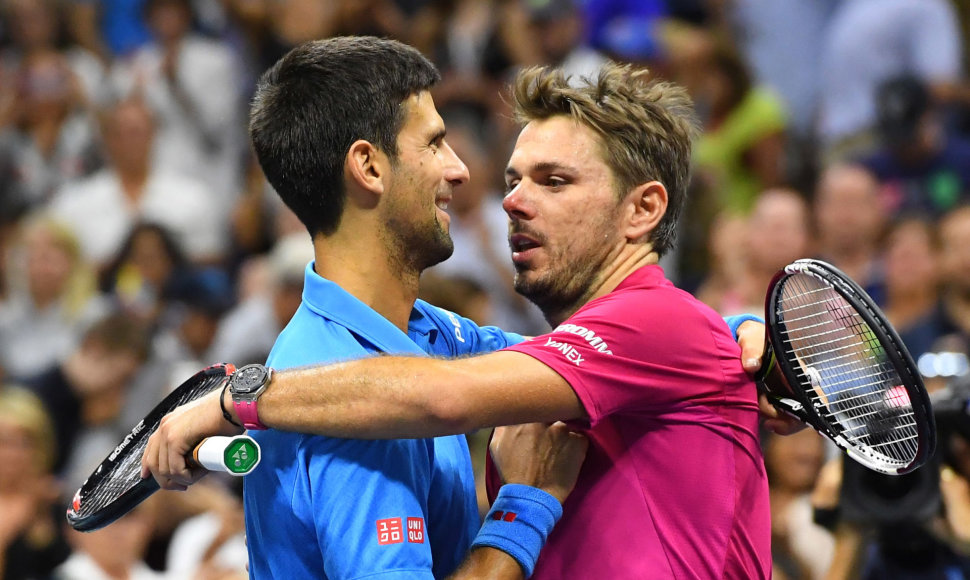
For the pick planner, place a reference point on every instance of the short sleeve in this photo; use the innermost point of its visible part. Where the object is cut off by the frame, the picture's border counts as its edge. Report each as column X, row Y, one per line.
column 368, row 513
column 647, row 358
column 462, row 336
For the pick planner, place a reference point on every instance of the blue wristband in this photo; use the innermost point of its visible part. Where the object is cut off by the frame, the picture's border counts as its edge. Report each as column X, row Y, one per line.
column 735, row 322
column 519, row 523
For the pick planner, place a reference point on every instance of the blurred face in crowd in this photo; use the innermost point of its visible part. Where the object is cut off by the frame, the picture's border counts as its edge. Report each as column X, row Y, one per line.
column 128, row 134
column 50, row 261
column 564, row 213
column 150, row 257
column 954, row 229
column 777, row 230
column 847, row 209
column 169, row 20
column 910, row 258
column 32, row 22
column 794, row 461
column 17, row 448
column 46, row 87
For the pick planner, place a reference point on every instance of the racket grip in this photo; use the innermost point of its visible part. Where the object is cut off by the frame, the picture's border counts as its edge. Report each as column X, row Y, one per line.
column 236, row 455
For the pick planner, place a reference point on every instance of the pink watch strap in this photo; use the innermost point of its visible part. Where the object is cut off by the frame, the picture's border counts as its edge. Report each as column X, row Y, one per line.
column 248, row 415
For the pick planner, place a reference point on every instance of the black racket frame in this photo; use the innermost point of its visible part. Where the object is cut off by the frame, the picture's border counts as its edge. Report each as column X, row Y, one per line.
column 776, row 371
column 130, row 498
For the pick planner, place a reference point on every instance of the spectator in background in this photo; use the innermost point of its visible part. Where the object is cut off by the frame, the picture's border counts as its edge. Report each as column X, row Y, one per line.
column 557, row 28
column 31, row 534
column 52, row 299
column 801, row 550
column 101, row 209
column 86, row 394
column 954, row 231
column 115, row 551
column 919, row 164
column 139, row 279
column 247, row 332
column 726, row 257
column 869, row 42
column 46, row 135
column 39, row 26
column 108, row 28
column 777, row 233
column 780, row 42
column 849, row 223
column 741, row 149
column 193, row 85
column 196, row 307
column 912, row 277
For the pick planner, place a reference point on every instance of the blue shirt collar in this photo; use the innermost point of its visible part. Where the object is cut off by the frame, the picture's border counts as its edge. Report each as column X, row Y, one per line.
column 328, row 299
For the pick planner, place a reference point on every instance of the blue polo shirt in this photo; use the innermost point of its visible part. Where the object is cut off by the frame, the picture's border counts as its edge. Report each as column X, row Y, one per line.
column 321, row 507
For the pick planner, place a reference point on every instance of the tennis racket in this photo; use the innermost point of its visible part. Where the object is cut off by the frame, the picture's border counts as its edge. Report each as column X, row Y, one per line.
column 833, row 360
column 116, row 486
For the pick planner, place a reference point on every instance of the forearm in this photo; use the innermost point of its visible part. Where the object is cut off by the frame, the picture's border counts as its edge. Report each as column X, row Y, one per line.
column 370, row 398
column 488, row 564
column 415, row 397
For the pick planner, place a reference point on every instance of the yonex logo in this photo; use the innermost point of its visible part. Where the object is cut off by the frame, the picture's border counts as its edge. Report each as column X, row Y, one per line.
column 567, row 349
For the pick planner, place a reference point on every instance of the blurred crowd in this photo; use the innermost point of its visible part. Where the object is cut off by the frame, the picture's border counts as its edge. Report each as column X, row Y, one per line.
column 139, row 241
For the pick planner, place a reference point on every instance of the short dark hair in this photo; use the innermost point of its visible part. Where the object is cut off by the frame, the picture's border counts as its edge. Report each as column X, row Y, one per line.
column 646, row 127
column 316, row 101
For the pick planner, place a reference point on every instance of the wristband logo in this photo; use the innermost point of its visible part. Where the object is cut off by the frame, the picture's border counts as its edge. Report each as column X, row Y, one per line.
column 499, row 515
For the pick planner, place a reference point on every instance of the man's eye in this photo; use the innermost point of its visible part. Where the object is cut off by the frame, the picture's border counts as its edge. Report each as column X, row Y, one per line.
column 510, row 185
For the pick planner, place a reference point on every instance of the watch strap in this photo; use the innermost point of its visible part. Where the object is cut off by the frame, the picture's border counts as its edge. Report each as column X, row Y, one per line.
column 248, row 414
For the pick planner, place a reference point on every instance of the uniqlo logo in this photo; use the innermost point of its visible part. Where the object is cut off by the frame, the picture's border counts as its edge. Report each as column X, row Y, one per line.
column 416, row 530
column 389, row 531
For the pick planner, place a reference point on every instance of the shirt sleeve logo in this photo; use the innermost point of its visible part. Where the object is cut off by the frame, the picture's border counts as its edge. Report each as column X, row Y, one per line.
column 389, row 531
column 416, row 530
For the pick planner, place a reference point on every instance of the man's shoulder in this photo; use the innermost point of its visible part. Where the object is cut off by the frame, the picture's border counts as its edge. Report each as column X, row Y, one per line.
column 312, row 338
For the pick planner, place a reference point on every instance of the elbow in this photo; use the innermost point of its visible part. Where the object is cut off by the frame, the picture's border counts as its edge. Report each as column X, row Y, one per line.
column 451, row 413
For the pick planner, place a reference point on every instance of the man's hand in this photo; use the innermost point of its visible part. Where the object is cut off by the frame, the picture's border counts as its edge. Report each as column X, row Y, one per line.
column 544, row 456
column 751, row 339
column 177, row 435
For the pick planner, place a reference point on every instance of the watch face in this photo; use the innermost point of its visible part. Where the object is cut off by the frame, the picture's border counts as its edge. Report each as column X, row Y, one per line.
column 248, row 379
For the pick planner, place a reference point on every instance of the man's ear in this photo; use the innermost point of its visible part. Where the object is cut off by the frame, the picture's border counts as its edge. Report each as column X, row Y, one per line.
column 646, row 206
column 366, row 166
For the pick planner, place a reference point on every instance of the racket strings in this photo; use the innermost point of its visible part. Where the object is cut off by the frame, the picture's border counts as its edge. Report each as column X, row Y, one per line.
column 125, row 473
column 845, row 371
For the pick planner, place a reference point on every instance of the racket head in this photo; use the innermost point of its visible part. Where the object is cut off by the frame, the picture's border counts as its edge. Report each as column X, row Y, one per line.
column 116, row 486
column 842, row 368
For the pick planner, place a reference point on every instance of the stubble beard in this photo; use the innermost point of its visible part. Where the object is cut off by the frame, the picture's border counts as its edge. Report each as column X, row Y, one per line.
column 415, row 248
column 559, row 291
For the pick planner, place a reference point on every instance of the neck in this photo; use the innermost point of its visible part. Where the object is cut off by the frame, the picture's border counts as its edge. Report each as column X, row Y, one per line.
column 360, row 265
column 102, row 407
column 133, row 182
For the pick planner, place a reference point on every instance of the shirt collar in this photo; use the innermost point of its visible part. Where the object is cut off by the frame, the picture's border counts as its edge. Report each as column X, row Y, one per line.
column 333, row 302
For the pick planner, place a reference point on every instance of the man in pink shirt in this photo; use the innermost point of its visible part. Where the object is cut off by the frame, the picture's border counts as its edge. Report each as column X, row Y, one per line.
column 674, row 484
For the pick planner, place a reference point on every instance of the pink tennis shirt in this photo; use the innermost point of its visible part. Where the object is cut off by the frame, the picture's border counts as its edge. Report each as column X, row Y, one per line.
column 674, row 482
